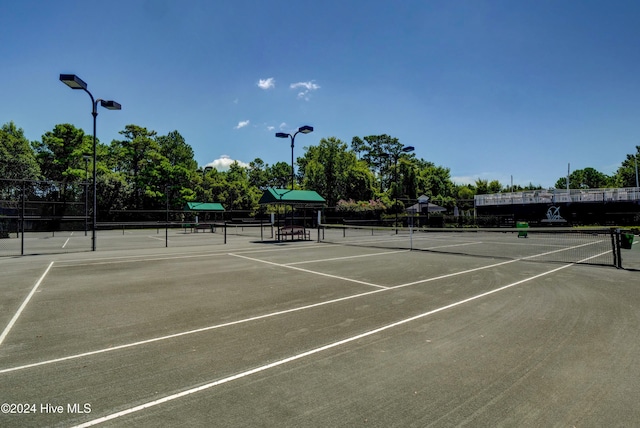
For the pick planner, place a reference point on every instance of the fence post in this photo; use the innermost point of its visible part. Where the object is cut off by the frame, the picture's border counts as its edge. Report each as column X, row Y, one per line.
column 22, row 214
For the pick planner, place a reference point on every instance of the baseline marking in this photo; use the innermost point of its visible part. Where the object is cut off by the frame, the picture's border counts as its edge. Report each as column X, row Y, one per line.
column 24, row 305
column 308, row 353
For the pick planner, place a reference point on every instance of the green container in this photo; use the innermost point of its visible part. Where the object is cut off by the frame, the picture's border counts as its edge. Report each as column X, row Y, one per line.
column 626, row 240
column 524, row 226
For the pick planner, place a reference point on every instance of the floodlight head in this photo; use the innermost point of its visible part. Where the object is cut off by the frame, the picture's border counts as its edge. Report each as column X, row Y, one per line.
column 384, row 155
column 73, row 81
column 305, row 129
column 281, row 135
column 408, row 149
column 110, row 105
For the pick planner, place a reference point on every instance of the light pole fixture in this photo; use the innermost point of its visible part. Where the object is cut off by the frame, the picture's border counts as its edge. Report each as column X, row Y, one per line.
column 74, row 82
column 302, row 130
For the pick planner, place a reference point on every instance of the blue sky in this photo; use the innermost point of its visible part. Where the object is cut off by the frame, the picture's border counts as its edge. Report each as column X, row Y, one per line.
column 489, row 89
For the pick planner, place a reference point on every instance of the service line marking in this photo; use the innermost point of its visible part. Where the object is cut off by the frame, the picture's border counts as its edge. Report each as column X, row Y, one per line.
column 342, row 278
column 345, row 257
column 24, row 305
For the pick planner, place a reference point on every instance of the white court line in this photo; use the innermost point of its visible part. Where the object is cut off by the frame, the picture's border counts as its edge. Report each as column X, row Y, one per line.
column 452, row 245
column 65, row 243
column 567, row 249
column 307, row 353
column 186, row 255
column 24, row 305
column 310, row 271
column 344, row 258
column 246, row 320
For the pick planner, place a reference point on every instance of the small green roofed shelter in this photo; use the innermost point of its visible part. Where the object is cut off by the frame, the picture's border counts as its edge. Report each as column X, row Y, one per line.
column 300, row 198
column 204, row 207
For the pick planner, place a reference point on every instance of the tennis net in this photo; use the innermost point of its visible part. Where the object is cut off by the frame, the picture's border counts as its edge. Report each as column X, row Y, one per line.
column 563, row 245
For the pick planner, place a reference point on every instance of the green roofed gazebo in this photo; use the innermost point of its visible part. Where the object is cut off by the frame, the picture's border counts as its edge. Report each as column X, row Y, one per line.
column 300, row 198
column 204, row 207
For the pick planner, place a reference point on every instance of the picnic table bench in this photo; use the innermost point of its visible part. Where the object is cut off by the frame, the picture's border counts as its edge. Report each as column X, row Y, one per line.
column 204, row 227
column 294, row 231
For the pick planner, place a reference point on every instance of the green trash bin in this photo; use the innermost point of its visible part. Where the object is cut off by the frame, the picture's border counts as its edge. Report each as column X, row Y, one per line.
column 626, row 240
column 523, row 226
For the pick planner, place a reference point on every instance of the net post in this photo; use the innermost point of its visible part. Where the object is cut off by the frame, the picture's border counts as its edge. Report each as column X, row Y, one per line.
column 619, row 248
column 22, row 216
column 224, row 225
column 615, row 246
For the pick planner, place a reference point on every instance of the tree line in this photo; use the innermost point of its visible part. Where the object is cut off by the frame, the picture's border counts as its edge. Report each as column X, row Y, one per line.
column 143, row 170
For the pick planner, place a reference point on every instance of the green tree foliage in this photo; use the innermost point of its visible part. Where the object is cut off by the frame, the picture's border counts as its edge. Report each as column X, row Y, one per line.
column 175, row 169
column 60, row 153
column 627, row 173
column 329, row 166
column 17, row 160
column 143, row 170
column 587, row 178
column 435, row 180
column 380, row 153
column 279, row 175
column 138, row 156
column 258, row 177
column 60, row 156
column 232, row 188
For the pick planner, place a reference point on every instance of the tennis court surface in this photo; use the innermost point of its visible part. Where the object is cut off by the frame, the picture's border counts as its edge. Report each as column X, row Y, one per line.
column 311, row 334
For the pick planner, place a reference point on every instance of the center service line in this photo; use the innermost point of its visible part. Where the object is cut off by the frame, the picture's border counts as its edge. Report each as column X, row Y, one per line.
column 307, row 353
column 24, row 305
column 310, row 271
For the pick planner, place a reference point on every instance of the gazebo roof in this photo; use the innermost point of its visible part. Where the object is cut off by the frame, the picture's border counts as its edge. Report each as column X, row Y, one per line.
column 291, row 197
column 203, row 206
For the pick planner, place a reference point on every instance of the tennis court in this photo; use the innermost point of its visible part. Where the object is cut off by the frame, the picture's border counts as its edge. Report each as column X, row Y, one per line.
column 315, row 334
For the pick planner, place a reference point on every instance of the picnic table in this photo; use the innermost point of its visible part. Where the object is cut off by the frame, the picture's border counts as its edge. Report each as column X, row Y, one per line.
column 294, row 231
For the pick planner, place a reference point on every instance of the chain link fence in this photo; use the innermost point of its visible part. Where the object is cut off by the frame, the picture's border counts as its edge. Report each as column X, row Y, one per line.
column 37, row 216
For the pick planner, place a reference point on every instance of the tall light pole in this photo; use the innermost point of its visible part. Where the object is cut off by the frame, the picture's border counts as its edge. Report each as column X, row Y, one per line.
column 636, row 162
column 74, row 82
column 302, row 130
column 86, row 191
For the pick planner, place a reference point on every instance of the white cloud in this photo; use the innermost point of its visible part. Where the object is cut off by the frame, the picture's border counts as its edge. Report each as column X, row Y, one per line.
column 307, row 88
column 242, row 124
column 224, row 162
column 267, row 83
column 270, row 128
column 283, row 126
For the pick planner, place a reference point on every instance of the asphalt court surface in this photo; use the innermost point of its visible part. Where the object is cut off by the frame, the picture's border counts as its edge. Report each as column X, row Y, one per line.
column 313, row 334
